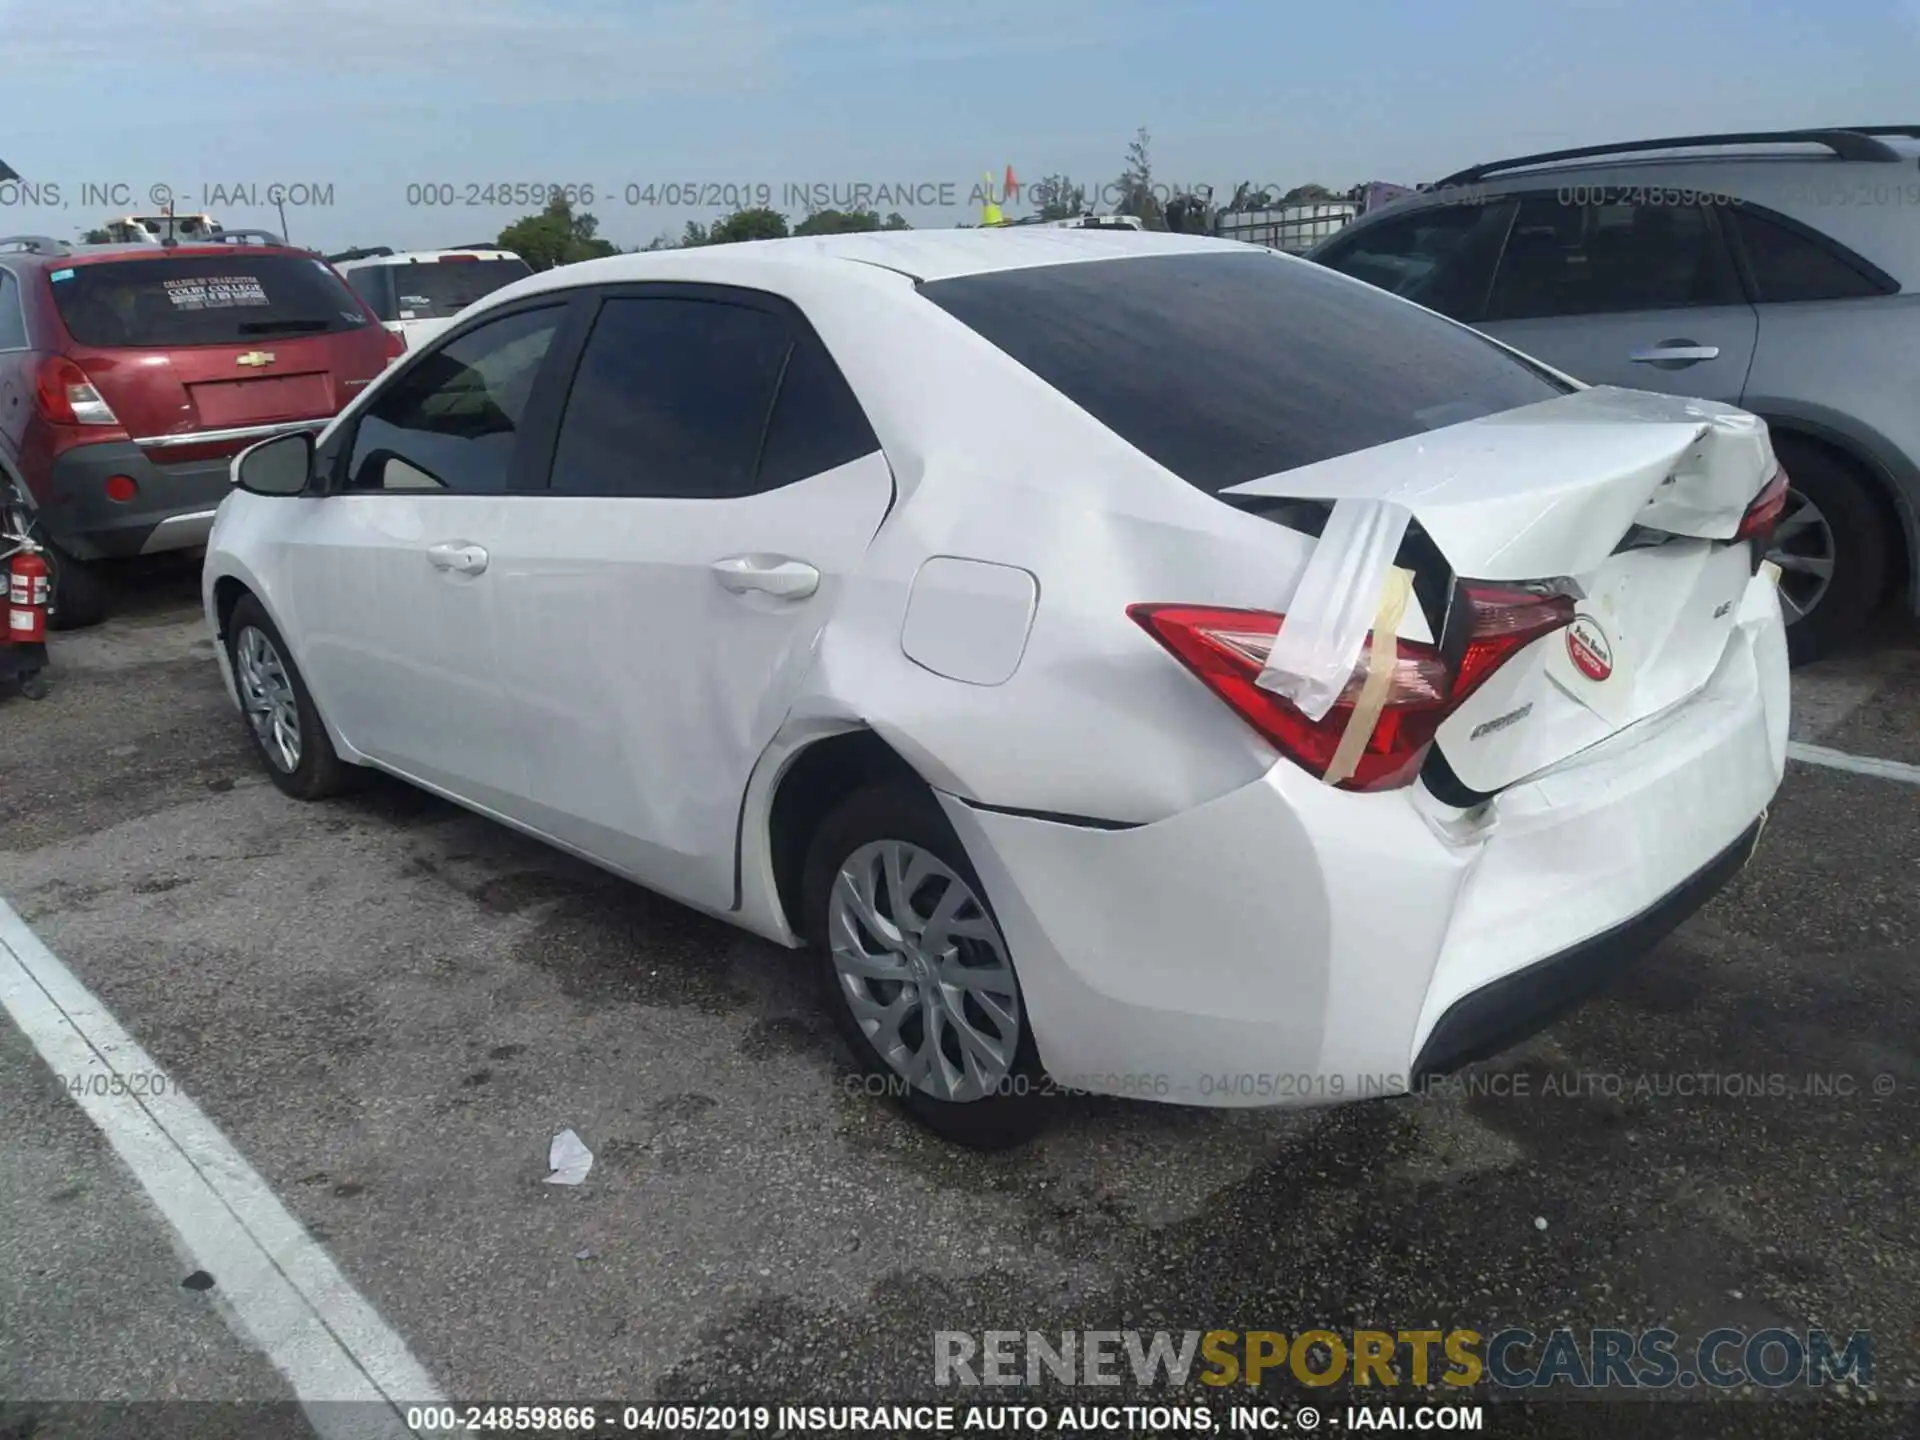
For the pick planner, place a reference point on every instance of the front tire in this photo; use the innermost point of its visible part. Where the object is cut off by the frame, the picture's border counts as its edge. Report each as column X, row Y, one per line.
column 278, row 710
column 917, row 972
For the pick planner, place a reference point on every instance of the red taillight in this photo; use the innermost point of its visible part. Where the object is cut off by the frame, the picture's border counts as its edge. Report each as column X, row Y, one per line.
column 1503, row 621
column 396, row 344
column 1227, row 649
column 459, row 259
column 121, row 488
column 1765, row 512
column 66, row 396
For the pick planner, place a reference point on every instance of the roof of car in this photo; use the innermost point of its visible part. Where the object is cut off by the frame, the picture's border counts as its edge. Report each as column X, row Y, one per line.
column 186, row 248
column 917, row 254
column 414, row 257
column 58, row 254
column 1846, row 144
column 1864, row 205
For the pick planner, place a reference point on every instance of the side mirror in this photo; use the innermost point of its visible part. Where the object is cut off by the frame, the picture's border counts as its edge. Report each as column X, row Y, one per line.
column 280, row 466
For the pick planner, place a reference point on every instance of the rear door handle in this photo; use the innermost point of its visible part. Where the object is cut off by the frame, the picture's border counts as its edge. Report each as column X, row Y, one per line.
column 1675, row 353
column 458, row 556
column 768, row 575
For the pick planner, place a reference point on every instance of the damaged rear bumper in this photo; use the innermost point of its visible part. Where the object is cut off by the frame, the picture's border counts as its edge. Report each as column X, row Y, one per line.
column 1509, row 1009
column 1291, row 944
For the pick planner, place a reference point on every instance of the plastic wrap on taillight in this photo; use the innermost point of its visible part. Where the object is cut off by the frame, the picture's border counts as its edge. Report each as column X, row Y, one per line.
column 1227, row 649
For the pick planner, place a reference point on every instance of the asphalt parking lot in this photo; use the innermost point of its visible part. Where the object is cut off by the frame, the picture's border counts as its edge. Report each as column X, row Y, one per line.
column 388, row 1007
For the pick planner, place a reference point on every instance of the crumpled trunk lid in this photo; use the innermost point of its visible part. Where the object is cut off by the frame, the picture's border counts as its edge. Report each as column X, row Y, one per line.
column 1628, row 500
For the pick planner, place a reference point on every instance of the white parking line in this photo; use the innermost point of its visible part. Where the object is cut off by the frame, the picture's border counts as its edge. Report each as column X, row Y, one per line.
column 281, row 1291
column 1859, row 764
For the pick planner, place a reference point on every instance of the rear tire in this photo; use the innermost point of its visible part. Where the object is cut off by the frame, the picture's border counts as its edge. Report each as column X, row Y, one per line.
column 278, row 710
column 1857, row 543
column 80, row 593
column 925, row 974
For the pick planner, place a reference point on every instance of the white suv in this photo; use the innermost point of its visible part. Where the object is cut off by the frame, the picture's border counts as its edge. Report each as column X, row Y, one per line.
column 416, row 293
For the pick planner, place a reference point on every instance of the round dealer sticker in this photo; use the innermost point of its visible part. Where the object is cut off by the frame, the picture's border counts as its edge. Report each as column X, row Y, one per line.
column 1589, row 648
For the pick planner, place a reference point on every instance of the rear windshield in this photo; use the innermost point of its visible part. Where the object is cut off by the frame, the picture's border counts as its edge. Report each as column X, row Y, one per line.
column 437, row 289
column 1227, row 367
column 202, row 300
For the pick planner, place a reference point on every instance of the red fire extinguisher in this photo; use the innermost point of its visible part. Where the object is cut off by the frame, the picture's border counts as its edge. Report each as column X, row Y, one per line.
column 28, row 582
column 23, row 648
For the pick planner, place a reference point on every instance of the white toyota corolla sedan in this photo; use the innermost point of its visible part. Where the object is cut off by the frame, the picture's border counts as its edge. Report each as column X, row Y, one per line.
column 1137, row 664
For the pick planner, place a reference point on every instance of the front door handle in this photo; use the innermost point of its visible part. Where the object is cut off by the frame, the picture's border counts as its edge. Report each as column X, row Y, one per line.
column 1675, row 354
column 768, row 575
column 458, row 556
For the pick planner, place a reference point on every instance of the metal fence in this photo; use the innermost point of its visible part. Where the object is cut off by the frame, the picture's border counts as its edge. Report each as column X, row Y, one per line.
column 1292, row 228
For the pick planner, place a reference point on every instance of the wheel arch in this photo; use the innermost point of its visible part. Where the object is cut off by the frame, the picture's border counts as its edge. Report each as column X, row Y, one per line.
column 14, row 482
column 224, row 593
column 1882, row 485
column 812, row 778
column 227, row 590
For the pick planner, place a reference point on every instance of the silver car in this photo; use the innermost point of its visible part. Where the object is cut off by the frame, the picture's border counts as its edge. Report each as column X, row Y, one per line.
column 1775, row 271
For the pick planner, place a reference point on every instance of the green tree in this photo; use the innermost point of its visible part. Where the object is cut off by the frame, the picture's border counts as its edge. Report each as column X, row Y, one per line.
column 96, row 237
column 1136, row 184
column 757, row 223
column 848, row 222
column 556, row 236
column 1058, row 198
column 1309, row 195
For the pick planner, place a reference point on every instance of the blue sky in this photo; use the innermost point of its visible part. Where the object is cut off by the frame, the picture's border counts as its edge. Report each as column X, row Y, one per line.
column 370, row 97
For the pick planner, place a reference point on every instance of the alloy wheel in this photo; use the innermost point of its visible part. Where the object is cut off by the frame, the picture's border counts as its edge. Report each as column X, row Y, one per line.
column 1803, row 548
column 923, row 968
column 266, row 695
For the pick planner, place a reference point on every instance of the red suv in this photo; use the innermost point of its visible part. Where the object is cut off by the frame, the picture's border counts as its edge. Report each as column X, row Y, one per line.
column 130, row 375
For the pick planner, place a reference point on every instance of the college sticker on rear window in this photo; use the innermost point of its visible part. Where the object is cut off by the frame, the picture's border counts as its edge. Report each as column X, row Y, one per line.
column 214, row 292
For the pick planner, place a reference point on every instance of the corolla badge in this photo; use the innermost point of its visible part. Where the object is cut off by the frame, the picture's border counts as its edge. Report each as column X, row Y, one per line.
column 1589, row 648
column 1512, row 717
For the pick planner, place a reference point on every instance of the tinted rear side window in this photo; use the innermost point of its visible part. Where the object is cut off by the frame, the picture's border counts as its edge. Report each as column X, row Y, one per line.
column 1441, row 257
column 370, row 282
column 1787, row 265
column 1613, row 258
column 202, row 300
column 1228, row 367
column 437, row 289
column 13, row 321
column 817, row 423
column 671, row 399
